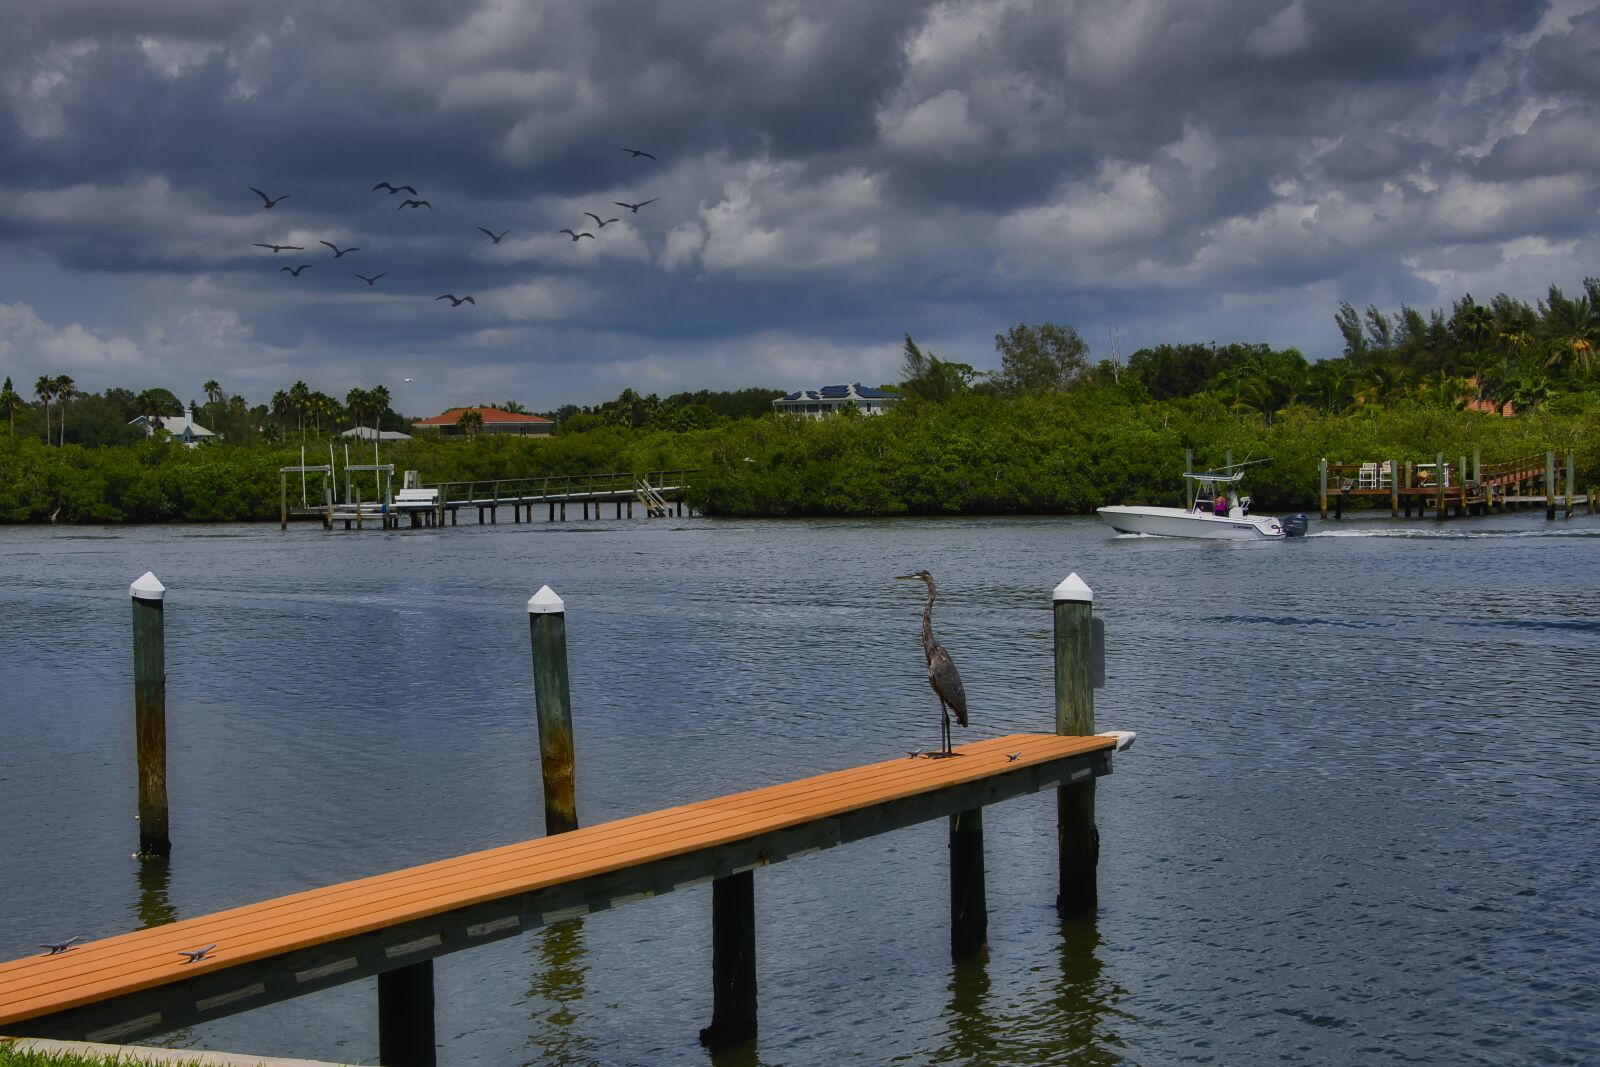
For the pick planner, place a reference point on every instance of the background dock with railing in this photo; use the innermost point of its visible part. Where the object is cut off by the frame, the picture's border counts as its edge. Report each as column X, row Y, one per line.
column 1455, row 486
column 655, row 494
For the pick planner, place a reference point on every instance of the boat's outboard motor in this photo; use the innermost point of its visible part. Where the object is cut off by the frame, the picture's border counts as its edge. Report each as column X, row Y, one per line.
column 1294, row 525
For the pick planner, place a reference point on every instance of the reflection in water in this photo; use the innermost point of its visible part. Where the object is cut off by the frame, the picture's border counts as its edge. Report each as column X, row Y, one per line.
column 154, row 905
column 1068, row 1027
column 971, row 1031
column 556, row 992
column 741, row 1055
column 1083, row 998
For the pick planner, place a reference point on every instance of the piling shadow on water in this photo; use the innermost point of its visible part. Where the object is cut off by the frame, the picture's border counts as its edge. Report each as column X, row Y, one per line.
column 152, row 904
column 556, row 993
column 1068, row 1027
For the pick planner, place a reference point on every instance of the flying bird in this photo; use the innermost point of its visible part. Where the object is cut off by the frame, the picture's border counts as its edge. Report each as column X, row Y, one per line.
column 58, row 947
column 296, row 270
column 575, row 236
column 267, row 201
column 637, row 152
column 942, row 673
column 635, row 207
column 195, row 955
column 394, row 188
column 372, row 279
column 414, row 203
column 455, row 302
column 281, row 248
column 337, row 251
column 600, row 223
column 492, row 236
column 408, row 381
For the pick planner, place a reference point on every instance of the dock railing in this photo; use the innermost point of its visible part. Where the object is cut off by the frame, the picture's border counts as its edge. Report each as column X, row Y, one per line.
column 615, row 485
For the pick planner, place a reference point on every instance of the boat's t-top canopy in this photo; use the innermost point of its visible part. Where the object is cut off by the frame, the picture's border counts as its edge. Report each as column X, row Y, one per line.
column 1212, row 479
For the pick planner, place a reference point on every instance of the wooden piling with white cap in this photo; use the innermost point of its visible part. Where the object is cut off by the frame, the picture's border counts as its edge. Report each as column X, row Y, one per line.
column 547, row 624
column 150, row 712
column 1079, row 841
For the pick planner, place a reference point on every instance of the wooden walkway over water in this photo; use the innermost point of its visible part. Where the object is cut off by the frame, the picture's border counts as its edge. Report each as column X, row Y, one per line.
column 657, row 494
column 392, row 925
column 1445, row 486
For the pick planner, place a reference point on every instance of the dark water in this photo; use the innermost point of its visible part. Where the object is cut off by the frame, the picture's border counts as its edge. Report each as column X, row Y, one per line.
column 1361, row 823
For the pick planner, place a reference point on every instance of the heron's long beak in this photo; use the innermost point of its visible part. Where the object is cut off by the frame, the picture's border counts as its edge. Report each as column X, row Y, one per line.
column 903, row 577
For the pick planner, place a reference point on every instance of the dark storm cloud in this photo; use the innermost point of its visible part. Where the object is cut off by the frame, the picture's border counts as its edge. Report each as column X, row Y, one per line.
column 823, row 168
column 1566, row 62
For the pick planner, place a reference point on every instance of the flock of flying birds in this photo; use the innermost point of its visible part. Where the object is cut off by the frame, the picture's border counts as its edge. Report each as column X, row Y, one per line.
column 414, row 202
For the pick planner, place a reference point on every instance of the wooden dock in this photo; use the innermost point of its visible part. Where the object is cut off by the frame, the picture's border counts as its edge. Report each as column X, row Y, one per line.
column 1459, row 486
column 392, row 925
column 657, row 494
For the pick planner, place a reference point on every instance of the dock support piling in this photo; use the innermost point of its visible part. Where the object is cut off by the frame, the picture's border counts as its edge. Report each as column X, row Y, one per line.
column 1440, row 476
column 1078, row 840
column 1549, row 485
column 150, row 712
column 547, row 624
column 1569, row 485
column 1322, row 485
column 283, row 501
column 969, row 909
column 1394, row 489
column 405, row 1016
column 733, row 961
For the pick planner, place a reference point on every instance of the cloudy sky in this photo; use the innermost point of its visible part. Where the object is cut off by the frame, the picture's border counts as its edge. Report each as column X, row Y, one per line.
column 831, row 174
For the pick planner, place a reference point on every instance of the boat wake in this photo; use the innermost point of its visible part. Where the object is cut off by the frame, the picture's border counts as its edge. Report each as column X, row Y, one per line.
column 1415, row 534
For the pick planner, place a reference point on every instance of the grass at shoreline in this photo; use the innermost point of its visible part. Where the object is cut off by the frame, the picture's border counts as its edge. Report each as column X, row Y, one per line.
column 13, row 1057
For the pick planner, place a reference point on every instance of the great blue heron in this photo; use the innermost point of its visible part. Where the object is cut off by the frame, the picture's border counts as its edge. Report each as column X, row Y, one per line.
column 942, row 673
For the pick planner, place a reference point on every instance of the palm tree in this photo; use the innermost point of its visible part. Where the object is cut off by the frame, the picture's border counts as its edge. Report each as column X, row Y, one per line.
column 1246, row 386
column 212, row 390
column 152, row 405
column 471, row 422
column 300, row 403
column 356, row 402
column 65, row 389
column 1477, row 324
column 44, row 388
column 10, row 401
column 379, row 398
column 280, row 408
column 1571, row 330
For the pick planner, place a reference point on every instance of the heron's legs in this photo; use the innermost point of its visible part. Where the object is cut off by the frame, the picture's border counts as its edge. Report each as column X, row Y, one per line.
column 944, row 716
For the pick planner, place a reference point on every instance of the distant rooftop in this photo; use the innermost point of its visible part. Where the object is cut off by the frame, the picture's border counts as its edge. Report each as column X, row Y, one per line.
column 853, row 391
column 489, row 415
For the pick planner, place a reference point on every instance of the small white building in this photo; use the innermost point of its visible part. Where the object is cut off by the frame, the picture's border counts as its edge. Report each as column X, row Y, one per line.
column 367, row 433
column 830, row 399
column 182, row 427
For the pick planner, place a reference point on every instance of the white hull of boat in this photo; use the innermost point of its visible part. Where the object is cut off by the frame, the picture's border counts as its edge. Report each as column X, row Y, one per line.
column 1178, row 522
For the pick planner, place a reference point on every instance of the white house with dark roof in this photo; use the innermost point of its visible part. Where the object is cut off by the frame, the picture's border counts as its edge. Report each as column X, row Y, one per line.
column 182, row 427
column 830, row 399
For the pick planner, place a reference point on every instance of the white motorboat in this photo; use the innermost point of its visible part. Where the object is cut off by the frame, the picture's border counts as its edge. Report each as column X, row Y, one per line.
column 1230, row 520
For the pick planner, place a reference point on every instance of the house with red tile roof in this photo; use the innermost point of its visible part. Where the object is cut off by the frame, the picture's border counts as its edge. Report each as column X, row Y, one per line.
column 495, row 421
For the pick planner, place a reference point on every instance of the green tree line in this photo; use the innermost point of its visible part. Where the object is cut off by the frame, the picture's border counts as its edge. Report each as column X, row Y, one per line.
column 1050, row 430
column 1052, row 453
